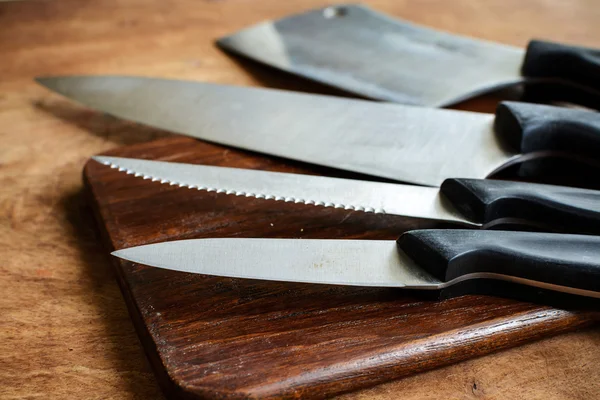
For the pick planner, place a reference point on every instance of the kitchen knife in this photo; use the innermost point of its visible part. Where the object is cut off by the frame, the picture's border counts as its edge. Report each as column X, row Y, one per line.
column 467, row 202
column 371, row 54
column 422, row 259
column 403, row 143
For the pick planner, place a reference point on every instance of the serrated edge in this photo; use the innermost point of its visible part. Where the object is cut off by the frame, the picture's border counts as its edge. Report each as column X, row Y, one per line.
column 241, row 193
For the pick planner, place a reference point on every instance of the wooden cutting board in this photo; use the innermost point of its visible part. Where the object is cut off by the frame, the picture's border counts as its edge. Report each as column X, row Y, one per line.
column 210, row 337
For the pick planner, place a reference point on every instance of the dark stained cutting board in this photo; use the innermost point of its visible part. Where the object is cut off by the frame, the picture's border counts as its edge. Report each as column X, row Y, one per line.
column 209, row 337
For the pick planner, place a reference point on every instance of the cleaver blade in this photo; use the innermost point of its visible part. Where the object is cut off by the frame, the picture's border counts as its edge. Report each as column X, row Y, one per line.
column 364, row 52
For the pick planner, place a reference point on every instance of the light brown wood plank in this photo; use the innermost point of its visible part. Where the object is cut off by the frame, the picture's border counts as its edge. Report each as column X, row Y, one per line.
column 64, row 331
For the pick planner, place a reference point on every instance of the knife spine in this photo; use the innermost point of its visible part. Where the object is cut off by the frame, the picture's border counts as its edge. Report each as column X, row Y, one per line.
column 260, row 196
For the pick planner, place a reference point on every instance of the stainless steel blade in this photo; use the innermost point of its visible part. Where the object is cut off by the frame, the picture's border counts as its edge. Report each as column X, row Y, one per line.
column 365, row 52
column 410, row 144
column 388, row 198
column 336, row 262
column 378, row 263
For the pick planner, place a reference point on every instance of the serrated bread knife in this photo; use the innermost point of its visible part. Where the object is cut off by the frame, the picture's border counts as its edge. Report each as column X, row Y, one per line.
column 403, row 143
column 466, row 202
column 371, row 54
column 423, row 259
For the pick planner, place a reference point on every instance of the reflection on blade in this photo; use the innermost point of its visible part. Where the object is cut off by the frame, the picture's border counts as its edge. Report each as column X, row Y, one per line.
column 365, row 52
column 337, row 262
column 410, row 144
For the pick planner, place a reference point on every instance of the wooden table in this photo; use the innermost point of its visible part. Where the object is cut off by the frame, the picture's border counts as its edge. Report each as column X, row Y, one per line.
column 64, row 328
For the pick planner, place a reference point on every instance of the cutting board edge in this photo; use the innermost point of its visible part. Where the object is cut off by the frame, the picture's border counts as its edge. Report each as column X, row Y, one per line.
column 177, row 387
column 167, row 384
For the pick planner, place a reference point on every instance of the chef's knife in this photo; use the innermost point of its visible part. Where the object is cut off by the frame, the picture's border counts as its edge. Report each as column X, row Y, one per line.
column 467, row 202
column 364, row 52
column 403, row 143
column 423, row 259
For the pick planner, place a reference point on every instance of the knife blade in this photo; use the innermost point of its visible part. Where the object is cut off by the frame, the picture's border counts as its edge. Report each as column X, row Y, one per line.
column 371, row 54
column 423, row 259
column 466, row 202
column 403, row 143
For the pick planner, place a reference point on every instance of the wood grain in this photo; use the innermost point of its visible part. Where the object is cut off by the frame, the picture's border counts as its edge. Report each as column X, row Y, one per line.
column 235, row 338
column 64, row 331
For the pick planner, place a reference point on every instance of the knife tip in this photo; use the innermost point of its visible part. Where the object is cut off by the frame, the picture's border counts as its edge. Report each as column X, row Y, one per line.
column 42, row 79
column 47, row 81
column 136, row 254
column 122, row 254
column 100, row 159
column 106, row 160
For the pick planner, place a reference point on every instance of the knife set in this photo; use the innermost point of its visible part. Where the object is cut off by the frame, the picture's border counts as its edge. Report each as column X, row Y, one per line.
column 444, row 156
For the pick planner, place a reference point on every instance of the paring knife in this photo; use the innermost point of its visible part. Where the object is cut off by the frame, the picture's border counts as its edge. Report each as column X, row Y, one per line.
column 423, row 259
column 467, row 202
column 371, row 54
column 403, row 143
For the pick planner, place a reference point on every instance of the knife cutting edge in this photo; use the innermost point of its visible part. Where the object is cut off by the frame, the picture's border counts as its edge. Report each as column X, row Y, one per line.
column 402, row 143
column 466, row 202
column 423, row 259
column 362, row 51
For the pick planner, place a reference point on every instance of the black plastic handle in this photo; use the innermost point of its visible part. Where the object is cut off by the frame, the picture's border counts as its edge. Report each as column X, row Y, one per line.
column 531, row 128
column 577, row 65
column 549, row 261
column 554, row 208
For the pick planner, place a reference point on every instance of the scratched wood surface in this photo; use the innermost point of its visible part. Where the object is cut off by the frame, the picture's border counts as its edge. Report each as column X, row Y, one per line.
column 65, row 331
